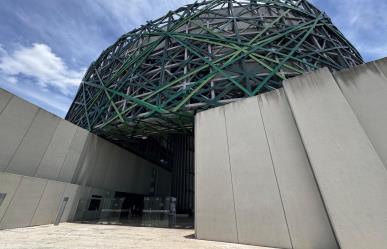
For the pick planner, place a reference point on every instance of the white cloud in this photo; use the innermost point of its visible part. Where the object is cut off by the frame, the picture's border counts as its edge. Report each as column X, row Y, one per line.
column 41, row 64
column 363, row 22
column 51, row 101
column 11, row 79
column 134, row 13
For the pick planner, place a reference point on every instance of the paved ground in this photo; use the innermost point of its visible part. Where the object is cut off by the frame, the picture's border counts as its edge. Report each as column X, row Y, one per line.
column 85, row 236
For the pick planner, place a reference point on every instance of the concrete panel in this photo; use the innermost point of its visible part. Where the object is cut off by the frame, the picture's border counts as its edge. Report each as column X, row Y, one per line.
column 58, row 148
column 382, row 65
column 23, row 206
column 111, row 172
column 5, row 97
column 83, row 203
column 15, row 120
column 84, row 171
column 351, row 177
column 74, row 156
column 49, row 203
column 259, row 211
column 102, row 163
column 214, row 204
column 73, row 192
column 34, row 144
column 8, row 185
column 365, row 90
column 305, row 212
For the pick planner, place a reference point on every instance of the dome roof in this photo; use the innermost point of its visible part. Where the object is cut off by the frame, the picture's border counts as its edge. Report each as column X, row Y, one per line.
column 155, row 78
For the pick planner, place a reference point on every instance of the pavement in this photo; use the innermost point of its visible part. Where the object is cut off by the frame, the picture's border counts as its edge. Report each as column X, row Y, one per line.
column 92, row 236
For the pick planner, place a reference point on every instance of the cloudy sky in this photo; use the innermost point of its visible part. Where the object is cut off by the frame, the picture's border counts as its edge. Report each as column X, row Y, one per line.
column 46, row 45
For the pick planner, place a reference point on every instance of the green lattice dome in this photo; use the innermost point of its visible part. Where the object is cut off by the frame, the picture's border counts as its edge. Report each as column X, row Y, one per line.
column 155, row 78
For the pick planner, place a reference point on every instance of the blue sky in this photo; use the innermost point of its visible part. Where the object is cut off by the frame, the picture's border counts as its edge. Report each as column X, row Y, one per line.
column 46, row 45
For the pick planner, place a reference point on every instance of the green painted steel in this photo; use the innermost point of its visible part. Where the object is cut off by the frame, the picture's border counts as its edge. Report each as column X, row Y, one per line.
column 155, row 78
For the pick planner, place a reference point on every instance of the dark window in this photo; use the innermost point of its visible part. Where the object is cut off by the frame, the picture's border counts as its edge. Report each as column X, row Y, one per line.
column 94, row 204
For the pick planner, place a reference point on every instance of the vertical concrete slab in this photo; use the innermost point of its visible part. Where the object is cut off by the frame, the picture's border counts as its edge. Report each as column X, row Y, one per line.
column 111, row 171
column 23, row 205
column 74, row 156
column 305, row 212
column 15, row 121
column 73, row 192
column 102, row 163
column 58, row 148
column 214, row 201
column 5, row 97
column 351, row 176
column 84, row 171
column 34, row 144
column 49, row 203
column 259, row 211
column 8, row 185
column 365, row 89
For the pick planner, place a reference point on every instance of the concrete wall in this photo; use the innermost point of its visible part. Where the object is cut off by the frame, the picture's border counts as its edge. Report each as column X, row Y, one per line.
column 299, row 167
column 32, row 201
column 253, row 148
column 365, row 89
column 351, row 175
column 308, row 222
column 254, row 180
column 215, row 217
column 43, row 158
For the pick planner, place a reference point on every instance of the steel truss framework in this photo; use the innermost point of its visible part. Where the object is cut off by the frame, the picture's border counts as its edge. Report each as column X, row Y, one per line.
column 154, row 78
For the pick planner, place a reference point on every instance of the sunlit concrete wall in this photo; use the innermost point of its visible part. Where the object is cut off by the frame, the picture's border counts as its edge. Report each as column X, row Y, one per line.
column 301, row 167
column 44, row 159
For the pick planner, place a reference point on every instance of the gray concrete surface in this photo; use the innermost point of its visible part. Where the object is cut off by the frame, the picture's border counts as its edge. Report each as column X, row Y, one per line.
column 34, row 144
column 39, row 145
column 365, row 90
column 214, row 200
column 74, row 156
column 24, row 203
column 57, row 150
column 82, row 236
column 308, row 222
column 15, row 121
column 8, row 185
column 5, row 97
column 49, row 203
column 259, row 211
column 73, row 192
column 316, row 128
column 351, row 176
column 277, row 201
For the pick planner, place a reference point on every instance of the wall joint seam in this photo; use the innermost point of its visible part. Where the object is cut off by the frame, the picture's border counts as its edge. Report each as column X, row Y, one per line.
column 21, row 140
column 274, row 171
column 230, row 168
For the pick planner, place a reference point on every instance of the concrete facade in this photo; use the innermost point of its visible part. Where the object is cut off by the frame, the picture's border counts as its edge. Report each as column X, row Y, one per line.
column 365, row 89
column 214, row 215
column 314, row 152
column 44, row 159
column 351, row 175
column 305, row 213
